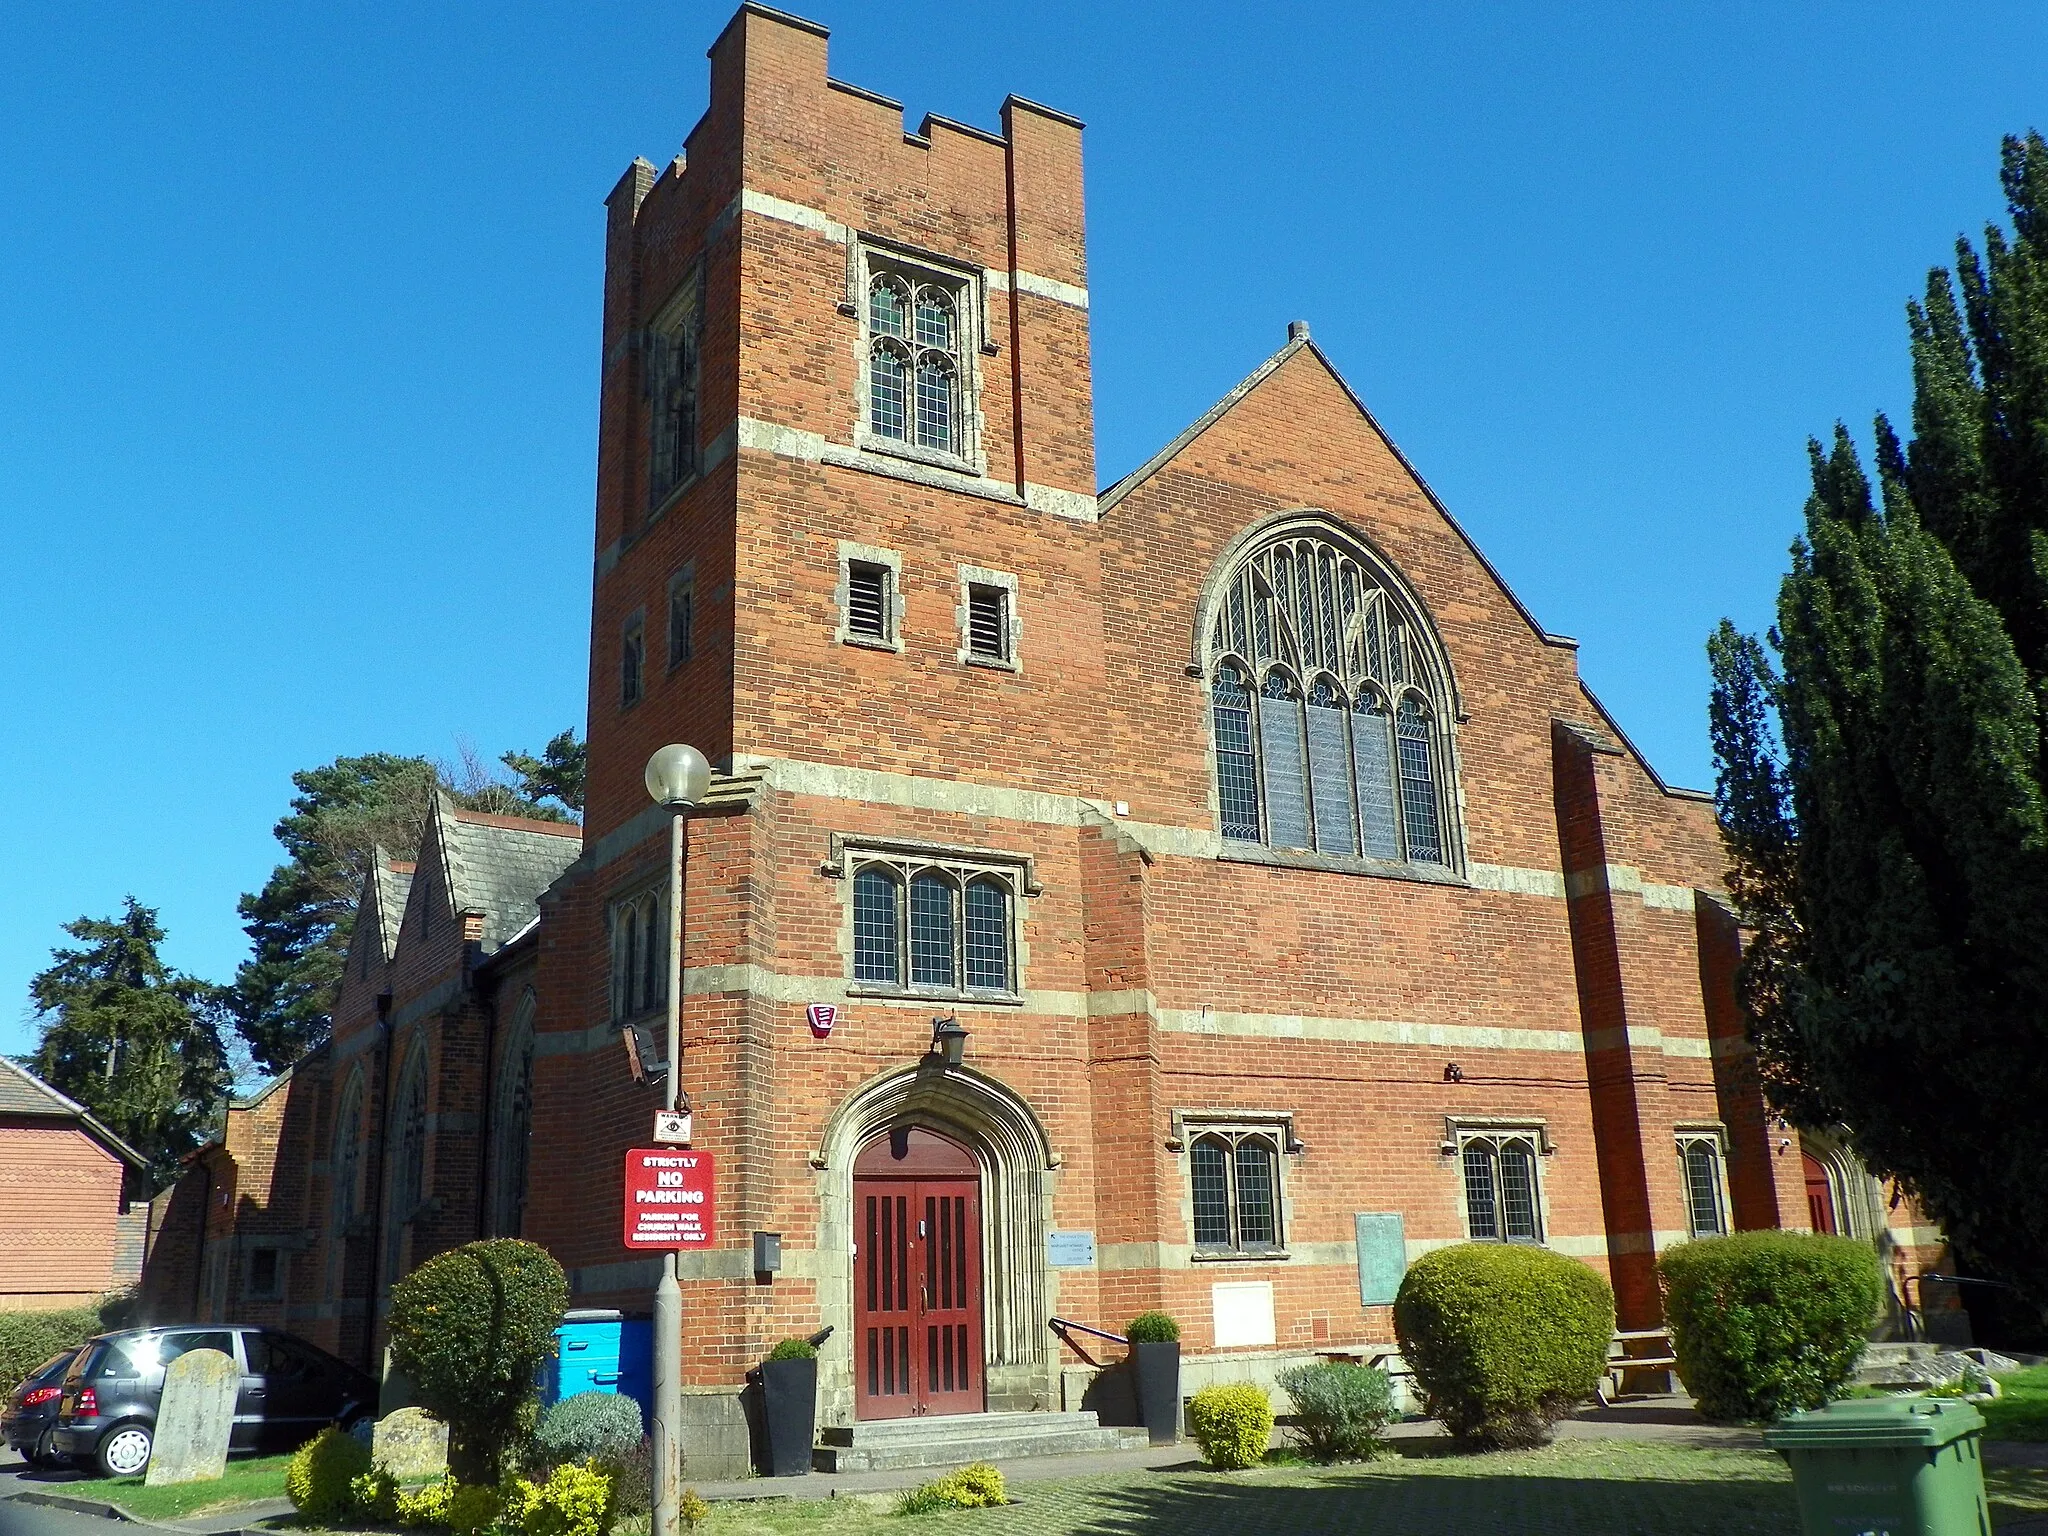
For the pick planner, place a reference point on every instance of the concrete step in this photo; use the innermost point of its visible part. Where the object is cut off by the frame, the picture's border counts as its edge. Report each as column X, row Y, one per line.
column 955, row 1439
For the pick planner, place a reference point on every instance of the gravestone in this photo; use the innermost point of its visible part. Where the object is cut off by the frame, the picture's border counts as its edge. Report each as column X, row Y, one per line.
column 412, row 1443
column 194, row 1418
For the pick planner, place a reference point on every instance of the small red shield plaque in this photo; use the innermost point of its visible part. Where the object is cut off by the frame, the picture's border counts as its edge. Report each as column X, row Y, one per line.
column 823, row 1016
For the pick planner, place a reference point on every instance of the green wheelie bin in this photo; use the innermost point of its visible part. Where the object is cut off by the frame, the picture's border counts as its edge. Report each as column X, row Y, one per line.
column 1887, row 1466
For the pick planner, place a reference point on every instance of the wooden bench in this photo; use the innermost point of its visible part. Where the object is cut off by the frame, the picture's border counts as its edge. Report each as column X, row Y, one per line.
column 1623, row 1357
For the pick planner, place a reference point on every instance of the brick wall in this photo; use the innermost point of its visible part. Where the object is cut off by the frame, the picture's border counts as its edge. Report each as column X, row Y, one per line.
column 60, row 1203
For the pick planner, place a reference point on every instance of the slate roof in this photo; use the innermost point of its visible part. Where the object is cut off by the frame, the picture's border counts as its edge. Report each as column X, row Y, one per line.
column 392, row 881
column 499, row 865
column 23, row 1093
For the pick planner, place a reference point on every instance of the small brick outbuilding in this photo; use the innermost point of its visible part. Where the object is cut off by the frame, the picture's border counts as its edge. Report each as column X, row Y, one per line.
column 68, row 1234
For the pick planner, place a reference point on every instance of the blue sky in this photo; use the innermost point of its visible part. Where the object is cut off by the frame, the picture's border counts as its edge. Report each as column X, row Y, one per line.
column 299, row 306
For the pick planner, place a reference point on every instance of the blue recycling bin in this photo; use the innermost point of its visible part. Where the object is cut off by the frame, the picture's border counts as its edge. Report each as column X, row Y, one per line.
column 597, row 1350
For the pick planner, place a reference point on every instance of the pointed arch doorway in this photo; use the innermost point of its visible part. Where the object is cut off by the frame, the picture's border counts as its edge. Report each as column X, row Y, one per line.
column 917, row 1281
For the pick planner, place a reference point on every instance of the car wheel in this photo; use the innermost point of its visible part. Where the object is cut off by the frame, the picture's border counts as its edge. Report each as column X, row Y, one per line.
column 124, row 1450
column 44, row 1452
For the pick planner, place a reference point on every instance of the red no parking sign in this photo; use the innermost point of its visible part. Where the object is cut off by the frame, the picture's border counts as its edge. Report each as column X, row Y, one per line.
column 671, row 1198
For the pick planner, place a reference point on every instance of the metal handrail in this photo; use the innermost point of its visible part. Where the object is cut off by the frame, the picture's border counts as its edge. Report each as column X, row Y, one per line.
column 1065, row 1329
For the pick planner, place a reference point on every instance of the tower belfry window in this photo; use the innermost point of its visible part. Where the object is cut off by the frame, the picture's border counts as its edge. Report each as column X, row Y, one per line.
column 916, row 357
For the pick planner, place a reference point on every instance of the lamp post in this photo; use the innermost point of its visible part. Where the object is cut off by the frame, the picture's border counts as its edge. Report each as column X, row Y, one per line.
column 677, row 777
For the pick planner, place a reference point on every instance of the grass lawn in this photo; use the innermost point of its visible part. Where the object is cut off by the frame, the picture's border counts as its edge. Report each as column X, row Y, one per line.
column 2022, row 1412
column 247, row 1479
column 1573, row 1488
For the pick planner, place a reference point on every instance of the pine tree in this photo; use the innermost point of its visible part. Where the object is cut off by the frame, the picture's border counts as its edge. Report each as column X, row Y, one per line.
column 133, row 1041
column 1893, row 864
column 300, row 923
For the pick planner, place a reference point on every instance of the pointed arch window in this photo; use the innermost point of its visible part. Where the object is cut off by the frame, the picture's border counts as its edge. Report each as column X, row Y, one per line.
column 639, row 954
column 512, row 1131
column 917, row 356
column 1330, row 704
column 409, row 1153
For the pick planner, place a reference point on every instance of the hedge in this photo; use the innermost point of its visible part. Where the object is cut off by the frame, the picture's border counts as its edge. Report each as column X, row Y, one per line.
column 1764, row 1323
column 27, row 1339
column 1503, row 1339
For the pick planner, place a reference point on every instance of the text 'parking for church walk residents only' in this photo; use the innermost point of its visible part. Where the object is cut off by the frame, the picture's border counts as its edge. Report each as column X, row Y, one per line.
column 671, row 1198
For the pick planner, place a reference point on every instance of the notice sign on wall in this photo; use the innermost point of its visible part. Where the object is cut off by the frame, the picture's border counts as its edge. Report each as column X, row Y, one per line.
column 670, row 1198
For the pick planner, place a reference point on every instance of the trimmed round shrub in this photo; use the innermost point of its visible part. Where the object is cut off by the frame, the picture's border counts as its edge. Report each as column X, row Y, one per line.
column 1233, row 1424
column 321, row 1472
column 472, row 1328
column 1339, row 1410
column 794, row 1349
column 1503, row 1339
column 1152, row 1328
column 1764, row 1323
column 601, row 1426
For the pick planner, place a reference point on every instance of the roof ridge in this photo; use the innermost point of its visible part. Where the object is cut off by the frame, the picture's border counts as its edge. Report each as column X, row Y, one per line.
column 503, row 822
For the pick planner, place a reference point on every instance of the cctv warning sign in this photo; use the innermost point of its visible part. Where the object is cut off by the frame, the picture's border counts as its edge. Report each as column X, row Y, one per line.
column 671, row 1198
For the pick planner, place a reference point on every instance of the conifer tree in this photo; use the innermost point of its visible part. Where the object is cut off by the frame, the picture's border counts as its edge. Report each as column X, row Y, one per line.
column 133, row 1041
column 1889, row 841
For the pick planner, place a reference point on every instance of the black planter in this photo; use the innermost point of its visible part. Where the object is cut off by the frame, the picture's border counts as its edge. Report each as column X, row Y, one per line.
column 1158, row 1372
column 789, row 1410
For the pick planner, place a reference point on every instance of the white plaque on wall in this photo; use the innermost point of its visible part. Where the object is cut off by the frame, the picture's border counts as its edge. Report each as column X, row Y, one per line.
column 1244, row 1312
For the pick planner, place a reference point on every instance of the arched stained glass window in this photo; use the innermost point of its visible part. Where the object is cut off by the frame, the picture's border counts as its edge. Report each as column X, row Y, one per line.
column 409, row 1154
column 935, row 403
column 1286, row 779
column 888, row 391
column 1501, row 1200
column 1419, row 809
column 916, row 359
column 1234, row 1178
column 512, row 1131
column 877, row 894
column 1329, row 769
column 1700, row 1162
column 889, row 308
column 1237, row 773
column 1337, row 770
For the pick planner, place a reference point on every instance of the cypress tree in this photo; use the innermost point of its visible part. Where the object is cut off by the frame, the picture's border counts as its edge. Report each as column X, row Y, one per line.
column 1889, row 841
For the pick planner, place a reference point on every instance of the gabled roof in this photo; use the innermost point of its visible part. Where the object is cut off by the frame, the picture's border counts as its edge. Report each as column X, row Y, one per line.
column 23, row 1093
column 384, row 891
column 499, row 865
column 1298, row 341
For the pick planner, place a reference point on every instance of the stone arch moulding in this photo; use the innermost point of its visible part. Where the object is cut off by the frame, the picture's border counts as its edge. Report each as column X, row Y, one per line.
column 1370, row 558
column 1018, row 1172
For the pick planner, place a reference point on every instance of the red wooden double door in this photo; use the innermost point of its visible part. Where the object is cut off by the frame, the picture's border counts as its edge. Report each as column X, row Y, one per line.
column 916, row 1278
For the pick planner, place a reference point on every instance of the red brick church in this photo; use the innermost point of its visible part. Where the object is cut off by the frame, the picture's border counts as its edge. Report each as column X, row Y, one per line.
column 1302, row 908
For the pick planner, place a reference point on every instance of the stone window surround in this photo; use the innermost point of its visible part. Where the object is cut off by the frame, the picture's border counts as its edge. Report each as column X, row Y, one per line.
column 978, row 576
column 633, row 898
column 1018, row 871
column 1190, row 1124
column 851, row 554
column 1460, row 1129
column 1715, row 1134
column 868, row 256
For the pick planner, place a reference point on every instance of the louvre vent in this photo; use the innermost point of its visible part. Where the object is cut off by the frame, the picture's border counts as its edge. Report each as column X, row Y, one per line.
column 988, row 629
column 867, row 600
